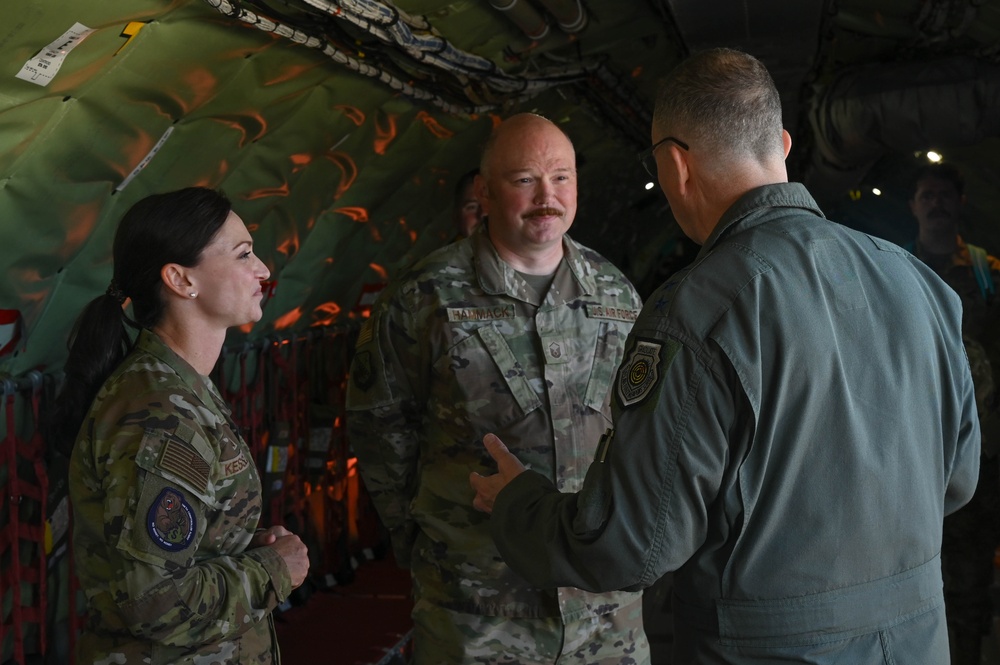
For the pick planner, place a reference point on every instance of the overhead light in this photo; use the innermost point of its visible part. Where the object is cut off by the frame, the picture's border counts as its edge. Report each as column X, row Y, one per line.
column 876, row 191
column 650, row 185
column 933, row 156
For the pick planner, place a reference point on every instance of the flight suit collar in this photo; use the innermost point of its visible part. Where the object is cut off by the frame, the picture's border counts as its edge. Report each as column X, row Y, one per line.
column 497, row 277
column 739, row 216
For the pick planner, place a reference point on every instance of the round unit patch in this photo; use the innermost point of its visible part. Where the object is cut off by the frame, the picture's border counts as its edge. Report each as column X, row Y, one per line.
column 170, row 521
column 639, row 373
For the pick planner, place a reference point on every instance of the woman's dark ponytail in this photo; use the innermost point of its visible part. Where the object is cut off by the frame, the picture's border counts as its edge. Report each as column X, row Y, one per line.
column 163, row 228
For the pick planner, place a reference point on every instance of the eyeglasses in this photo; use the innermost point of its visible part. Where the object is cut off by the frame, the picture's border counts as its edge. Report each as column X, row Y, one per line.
column 647, row 159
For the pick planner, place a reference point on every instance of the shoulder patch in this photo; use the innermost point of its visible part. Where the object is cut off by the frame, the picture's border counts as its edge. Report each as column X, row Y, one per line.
column 639, row 373
column 362, row 371
column 170, row 521
column 185, row 463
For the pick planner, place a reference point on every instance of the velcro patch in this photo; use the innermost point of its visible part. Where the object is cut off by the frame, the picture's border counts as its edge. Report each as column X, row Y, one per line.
column 362, row 370
column 639, row 373
column 480, row 313
column 366, row 334
column 235, row 466
column 613, row 313
column 185, row 463
column 170, row 521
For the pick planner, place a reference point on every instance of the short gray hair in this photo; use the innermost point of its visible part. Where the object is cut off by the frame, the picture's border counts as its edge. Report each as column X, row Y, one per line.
column 724, row 101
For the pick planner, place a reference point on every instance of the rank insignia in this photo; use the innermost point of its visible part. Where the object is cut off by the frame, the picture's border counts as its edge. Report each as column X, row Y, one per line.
column 170, row 521
column 639, row 373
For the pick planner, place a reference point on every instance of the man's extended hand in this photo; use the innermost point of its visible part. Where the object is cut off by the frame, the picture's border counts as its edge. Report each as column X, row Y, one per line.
column 487, row 487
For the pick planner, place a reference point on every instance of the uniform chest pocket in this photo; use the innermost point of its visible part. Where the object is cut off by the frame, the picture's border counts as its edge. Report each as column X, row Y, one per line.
column 609, row 349
column 484, row 379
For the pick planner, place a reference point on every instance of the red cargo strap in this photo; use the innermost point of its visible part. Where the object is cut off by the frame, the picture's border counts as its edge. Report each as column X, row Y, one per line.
column 12, row 450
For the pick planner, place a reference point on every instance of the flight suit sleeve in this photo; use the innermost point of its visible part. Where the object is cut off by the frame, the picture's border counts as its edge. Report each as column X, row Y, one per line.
column 384, row 415
column 643, row 508
column 984, row 357
column 175, row 583
column 964, row 475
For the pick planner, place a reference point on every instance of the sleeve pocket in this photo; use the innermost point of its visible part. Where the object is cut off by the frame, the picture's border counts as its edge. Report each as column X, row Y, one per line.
column 166, row 515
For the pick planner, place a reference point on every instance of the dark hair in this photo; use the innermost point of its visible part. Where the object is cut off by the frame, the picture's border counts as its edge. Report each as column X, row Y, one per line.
column 722, row 100
column 165, row 228
column 942, row 171
column 463, row 183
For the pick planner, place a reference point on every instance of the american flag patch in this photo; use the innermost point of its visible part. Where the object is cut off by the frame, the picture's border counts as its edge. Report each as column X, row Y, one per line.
column 185, row 463
column 366, row 333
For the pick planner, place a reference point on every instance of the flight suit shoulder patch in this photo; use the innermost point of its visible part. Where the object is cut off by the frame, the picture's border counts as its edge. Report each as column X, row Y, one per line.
column 640, row 371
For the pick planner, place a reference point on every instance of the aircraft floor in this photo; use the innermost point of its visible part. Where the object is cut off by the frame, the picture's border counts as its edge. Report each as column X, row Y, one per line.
column 361, row 623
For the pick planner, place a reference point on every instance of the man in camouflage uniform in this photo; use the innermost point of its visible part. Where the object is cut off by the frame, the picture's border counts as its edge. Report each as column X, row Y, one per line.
column 466, row 212
column 166, row 501
column 972, row 534
column 519, row 330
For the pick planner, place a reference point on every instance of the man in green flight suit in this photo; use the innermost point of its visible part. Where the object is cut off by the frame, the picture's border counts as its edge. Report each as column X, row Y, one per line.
column 772, row 444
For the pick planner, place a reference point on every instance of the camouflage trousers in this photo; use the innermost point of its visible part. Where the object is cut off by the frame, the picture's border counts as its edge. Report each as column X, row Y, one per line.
column 442, row 636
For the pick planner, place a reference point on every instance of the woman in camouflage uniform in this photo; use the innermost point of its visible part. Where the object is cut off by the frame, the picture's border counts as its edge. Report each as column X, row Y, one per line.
column 165, row 494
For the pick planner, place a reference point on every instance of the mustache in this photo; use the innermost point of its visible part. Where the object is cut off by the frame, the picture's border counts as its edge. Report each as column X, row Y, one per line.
column 544, row 212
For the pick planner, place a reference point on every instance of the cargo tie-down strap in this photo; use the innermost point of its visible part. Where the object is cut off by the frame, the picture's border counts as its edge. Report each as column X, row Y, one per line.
column 22, row 524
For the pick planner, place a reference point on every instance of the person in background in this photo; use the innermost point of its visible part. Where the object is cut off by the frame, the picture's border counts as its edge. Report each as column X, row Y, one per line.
column 793, row 419
column 467, row 213
column 971, row 535
column 517, row 330
column 165, row 495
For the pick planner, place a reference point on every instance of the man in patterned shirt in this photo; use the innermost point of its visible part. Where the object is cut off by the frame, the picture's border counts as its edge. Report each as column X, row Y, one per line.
column 971, row 534
column 517, row 329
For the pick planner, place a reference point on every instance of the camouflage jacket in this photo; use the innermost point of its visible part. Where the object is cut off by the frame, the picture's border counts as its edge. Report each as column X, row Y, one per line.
column 981, row 332
column 456, row 349
column 165, row 500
